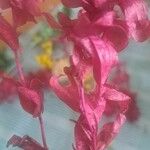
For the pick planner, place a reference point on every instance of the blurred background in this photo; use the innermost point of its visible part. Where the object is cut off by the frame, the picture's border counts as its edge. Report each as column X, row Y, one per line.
column 44, row 54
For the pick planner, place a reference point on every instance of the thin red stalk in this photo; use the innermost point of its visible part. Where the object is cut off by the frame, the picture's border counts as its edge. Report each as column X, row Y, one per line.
column 43, row 132
column 19, row 68
column 22, row 78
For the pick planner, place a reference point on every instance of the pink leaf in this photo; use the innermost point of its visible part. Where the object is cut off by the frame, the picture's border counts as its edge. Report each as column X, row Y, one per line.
column 106, row 54
column 67, row 93
column 8, row 34
column 21, row 17
column 136, row 15
column 52, row 22
column 7, row 87
column 82, row 136
column 72, row 3
column 30, row 101
column 115, row 95
column 64, row 20
column 117, row 36
column 25, row 143
column 109, row 132
column 4, row 4
column 24, row 11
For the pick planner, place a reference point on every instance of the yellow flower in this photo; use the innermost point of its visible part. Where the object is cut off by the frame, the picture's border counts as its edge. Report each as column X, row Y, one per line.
column 45, row 60
column 47, row 47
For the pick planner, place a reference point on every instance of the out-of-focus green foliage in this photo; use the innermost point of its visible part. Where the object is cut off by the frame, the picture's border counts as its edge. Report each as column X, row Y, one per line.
column 5, row 61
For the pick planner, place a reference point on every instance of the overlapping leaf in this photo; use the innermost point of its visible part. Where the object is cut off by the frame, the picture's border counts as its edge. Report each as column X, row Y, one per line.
column 31, row 98
column 8, row 34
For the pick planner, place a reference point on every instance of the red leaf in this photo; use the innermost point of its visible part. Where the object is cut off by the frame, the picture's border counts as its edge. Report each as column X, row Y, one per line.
column 67, row 93
column 25, row 143
column 117, row 36
column 7, row 87
column 136, row 16
column 72, row 3
column 109, row 132
column 115, row 95
column 31, row 98
column 24, row 11
column 8, row 34
column 4, row 4
column 52, row 22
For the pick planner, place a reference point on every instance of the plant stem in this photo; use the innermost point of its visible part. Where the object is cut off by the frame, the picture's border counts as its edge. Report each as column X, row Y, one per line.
column 19, row 67
column 43, row 132
column 22, row 78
